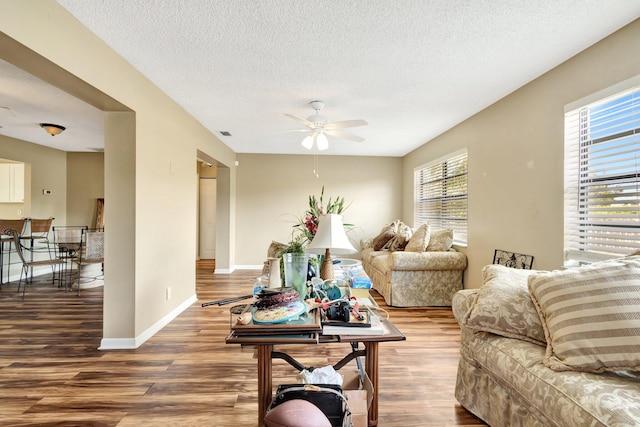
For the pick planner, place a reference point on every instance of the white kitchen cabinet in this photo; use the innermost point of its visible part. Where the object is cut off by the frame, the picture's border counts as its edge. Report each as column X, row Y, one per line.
column 12, row 183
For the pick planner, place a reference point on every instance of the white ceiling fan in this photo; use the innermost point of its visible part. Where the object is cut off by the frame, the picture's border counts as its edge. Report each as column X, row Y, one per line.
column 320, row 127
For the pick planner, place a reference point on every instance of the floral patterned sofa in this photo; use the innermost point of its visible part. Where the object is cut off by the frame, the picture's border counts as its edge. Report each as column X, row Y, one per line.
column 558, row 348
column 421, row 270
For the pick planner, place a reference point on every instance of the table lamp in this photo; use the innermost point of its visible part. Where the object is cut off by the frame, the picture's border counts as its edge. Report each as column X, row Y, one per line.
column 330, row 237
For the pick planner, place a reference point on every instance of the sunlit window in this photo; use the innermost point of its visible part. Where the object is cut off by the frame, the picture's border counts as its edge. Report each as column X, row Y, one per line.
column 602, row 178
column 440, row 190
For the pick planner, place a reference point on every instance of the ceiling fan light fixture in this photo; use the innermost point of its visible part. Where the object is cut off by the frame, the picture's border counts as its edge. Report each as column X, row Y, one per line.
column 307, row 142
column 322, row 142
column 320, row 127
column 52, row 129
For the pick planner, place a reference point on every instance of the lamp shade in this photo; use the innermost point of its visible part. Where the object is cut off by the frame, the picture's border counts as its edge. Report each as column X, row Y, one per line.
column 322, row 142
column 331, row 235
column 307, row 142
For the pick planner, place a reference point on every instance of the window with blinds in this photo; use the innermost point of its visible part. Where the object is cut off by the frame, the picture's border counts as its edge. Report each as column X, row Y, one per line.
column 440, row 191
column 602, row 178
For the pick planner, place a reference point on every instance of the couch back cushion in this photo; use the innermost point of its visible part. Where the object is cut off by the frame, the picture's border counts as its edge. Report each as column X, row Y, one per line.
column 440, row 240
column 419, row 240
column 591, row 316
column 503, row 306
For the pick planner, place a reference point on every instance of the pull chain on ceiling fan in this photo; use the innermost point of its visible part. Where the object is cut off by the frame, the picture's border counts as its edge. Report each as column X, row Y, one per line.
column 320, row 127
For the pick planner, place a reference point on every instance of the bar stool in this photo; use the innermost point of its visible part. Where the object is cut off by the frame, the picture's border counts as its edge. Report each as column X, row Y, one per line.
column 38, row 231
column 8, row 228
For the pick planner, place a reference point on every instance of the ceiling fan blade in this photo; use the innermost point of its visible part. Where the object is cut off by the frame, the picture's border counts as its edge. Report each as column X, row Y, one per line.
column 346, row 124
column 343, row 135
column 305, row 122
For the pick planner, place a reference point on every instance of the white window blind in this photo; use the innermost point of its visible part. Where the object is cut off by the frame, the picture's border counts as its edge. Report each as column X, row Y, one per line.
column 602, row 178
column 441, row 195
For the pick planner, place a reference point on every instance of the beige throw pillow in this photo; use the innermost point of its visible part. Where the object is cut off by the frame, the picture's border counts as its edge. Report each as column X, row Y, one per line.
column 503, row 306
column 275, row 249
column 440, row 240
column 591, row 316
column 419, row 240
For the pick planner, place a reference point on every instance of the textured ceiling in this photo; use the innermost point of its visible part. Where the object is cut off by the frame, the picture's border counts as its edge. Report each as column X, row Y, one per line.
column 411, row 68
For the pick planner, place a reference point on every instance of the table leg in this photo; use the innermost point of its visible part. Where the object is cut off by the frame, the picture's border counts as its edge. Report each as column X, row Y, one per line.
column 264, row 381
column 371, row 367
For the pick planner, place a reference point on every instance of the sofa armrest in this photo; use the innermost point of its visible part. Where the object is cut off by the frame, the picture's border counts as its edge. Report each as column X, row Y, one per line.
column 462, row 302
column 366, row 244
column 420, row 261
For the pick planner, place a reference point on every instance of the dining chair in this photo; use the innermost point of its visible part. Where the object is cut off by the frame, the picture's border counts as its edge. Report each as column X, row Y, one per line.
column 38, row 231
column 16, row 225
column 67, row 240
column 28, row 265
column 91, row 250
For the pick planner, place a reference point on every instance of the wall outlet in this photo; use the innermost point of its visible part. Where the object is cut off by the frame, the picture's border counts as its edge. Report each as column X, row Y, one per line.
column 20, row 212
column 168, row 293
column 46, row 192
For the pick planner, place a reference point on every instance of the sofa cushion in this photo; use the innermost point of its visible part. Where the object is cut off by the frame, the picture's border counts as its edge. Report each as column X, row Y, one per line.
column 380, row 261
column 503, row 306
column 440, row 240
column 419, row 240
column 590, row 315
column 566, row 399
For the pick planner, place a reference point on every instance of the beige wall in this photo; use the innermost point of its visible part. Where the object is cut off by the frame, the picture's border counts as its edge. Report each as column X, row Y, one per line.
column 85, row 185
column 48, row 170
column 516, row 156
column 273, row 192
column 152, row 190
column 515, row 168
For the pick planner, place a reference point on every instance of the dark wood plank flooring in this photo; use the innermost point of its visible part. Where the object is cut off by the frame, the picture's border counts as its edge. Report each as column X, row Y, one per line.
column 51, row 373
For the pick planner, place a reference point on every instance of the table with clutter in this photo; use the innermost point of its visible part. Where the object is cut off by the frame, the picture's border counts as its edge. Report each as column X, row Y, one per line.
column 281, row 315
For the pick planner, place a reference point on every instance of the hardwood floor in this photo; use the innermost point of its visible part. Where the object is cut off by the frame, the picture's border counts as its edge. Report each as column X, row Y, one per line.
column 51, row 373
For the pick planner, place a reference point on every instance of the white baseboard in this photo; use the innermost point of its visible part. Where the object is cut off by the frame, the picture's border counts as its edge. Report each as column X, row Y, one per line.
column 117, row 344
column 132, row 343
column 237, row 267
column 247, row 267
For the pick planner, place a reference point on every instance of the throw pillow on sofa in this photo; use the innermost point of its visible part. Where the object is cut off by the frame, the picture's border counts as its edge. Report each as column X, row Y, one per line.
column 590, row 316
column 387, row 233
column 503, row 306
column 275, row 249
column 440, row 240
column 419, row 240
column 400, row 240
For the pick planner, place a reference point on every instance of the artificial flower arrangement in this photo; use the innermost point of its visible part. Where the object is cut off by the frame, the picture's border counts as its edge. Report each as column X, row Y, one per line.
column 308, row 225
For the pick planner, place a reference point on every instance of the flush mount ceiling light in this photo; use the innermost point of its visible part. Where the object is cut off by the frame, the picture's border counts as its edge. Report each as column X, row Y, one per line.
column 320, row 127
column 52, row 129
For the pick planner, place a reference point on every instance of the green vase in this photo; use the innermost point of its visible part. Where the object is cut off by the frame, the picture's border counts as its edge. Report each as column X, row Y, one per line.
column 295, row 272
